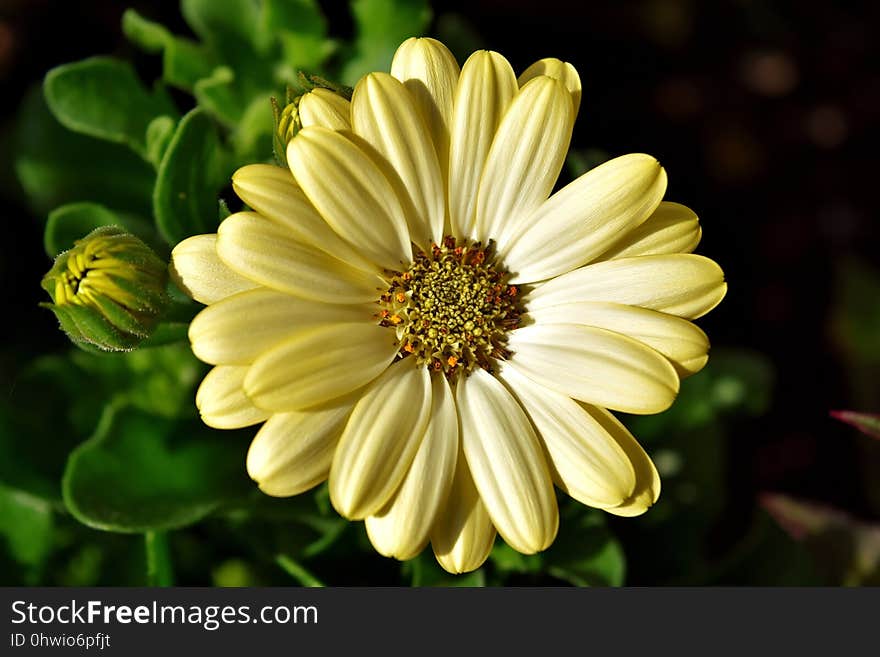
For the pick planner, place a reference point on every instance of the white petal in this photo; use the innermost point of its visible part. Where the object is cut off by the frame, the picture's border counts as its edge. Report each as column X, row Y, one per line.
column 463, row 534
column 584, row 218
column 267, row 252
column 485, row 89
column 324, row 108
column 352, row 194
column 198, row 270
column 319, row 363
column 596, row 366
column 507, row 463
column 239, row 328
column 558, row 70
column 384, row 113
column 586, row 462
column 525, row 159
column 683, row 343
column 221, row 400
column 647, row 488
column 430, row 73
column 686, row 285
column 273, row 192
column 673, row 228
column 380, row 440
column 401, row 529
column 292, row 452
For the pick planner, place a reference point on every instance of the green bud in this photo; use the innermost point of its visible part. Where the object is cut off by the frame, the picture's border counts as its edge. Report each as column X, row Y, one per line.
column 108, row 291
column 286, row 117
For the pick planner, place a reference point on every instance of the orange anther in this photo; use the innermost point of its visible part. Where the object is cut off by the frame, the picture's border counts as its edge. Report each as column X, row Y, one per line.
column 400, row 296
column 452, row 361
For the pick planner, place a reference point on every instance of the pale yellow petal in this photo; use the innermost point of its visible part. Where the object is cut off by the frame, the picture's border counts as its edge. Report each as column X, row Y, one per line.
column 221, row 400
column 647, row 488
column 237, row 329
column 267, row 252
column 683, row 343
column 324, row 108
column 385, row 115
column 595, row 366
column 319, row 363
column 585, row 461
column 380, row 440
column 507, row 463
column 292, row 452
column 526, row 157
column 485, row 89
column 672, row 228
column 559, row 70
column 583, row 219
column 463, row 535
column 273, row 192
column 402, row 528
column 352, row 194
column 198, row 270
column 430, row 73
column 686, row 285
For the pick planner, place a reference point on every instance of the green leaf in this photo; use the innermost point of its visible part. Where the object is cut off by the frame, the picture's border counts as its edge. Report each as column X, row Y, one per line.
column 301, row 29
column 252, row 138
column 184, row 62
column 219, row 95
column 56, row 166
column 140, row 472
column 222, row 22
column 102, row 97
column 26, row 526
column 160, row 380
column 585, row 553
column 159, row 134
column 382, row 25
column 76, row 220
column 231, row 28
column 192, row 172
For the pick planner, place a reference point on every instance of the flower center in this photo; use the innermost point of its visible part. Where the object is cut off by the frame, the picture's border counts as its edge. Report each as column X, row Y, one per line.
column 452, row 308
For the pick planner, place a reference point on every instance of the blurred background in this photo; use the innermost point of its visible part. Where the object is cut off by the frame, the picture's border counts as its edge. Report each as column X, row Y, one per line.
column 765, row 117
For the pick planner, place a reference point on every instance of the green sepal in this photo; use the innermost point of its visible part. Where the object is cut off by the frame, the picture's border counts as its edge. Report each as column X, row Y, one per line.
column 87, row 329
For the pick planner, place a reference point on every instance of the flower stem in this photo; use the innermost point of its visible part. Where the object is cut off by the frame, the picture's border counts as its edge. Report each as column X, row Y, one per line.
column 297, row 571
column 160, row 571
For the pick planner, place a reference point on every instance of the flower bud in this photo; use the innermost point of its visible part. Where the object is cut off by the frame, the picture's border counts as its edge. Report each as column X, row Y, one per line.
column 287, row 120
column 108, row 291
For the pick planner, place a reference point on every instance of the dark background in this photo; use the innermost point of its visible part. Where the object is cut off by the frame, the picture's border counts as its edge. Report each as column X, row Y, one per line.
column 765, row 117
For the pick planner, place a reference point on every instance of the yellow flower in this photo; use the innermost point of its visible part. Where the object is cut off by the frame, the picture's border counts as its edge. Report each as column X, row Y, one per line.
column 414, row 316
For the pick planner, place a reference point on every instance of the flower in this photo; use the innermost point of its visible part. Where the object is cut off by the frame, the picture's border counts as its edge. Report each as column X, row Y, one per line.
column 413, row 315
column 108, row 291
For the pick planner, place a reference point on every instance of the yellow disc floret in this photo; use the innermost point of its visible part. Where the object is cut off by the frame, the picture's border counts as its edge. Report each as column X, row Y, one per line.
column 452, row 308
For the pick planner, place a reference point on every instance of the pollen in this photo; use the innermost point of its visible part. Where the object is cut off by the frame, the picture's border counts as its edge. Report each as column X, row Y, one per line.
column 452, row 309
